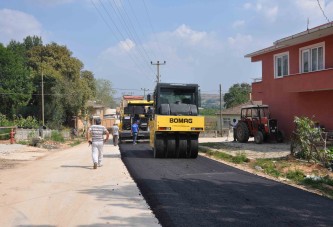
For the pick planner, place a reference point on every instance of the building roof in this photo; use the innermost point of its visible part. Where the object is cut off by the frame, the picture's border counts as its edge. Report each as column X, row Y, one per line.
column 236, row 110
column 302, row 37
column 133, row 97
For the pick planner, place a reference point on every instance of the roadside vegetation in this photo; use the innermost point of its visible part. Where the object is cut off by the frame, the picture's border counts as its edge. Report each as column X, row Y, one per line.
column 309, row 164
column 309, row 175
column 56, row 138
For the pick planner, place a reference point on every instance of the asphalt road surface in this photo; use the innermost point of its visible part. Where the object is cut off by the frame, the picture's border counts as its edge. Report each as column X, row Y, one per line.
column 204, row 192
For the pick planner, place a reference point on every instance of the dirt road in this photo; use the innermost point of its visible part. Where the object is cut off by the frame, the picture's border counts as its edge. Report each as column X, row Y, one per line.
column 62, row 189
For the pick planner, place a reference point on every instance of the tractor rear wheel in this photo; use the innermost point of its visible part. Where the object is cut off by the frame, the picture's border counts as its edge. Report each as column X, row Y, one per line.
column 242, row 132
column 259, row 137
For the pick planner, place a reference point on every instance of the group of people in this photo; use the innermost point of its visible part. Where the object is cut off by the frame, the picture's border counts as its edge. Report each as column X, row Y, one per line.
column 95, row 138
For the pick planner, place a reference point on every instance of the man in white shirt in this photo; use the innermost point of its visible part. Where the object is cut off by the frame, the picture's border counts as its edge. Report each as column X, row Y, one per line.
column 95, row 137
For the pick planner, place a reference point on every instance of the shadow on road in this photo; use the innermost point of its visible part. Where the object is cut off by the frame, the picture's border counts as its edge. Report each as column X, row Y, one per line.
column 111, row 155
column 75, row 166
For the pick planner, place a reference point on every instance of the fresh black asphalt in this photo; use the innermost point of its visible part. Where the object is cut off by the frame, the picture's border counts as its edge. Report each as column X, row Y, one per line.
column 204, row 192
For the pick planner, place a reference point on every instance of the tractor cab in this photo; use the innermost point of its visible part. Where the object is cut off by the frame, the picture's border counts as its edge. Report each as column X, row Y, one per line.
column 256, row 122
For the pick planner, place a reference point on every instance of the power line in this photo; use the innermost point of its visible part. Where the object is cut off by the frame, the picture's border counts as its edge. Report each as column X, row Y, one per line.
column 122, row 25
column 323, row 11
column 138, row 24
column 151, row 25
column 126, row 24
column 117, row 32
column 132, row 31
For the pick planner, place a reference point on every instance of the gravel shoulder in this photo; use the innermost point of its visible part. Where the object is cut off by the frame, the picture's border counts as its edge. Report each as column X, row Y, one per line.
column 13, row 155
column 251, row 149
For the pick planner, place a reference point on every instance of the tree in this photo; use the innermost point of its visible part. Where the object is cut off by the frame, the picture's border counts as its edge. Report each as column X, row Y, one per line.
column 66, row 86
column 15, row 87
column 238, row 94
column 104, row 93
column 21, row 51
column 90, row 82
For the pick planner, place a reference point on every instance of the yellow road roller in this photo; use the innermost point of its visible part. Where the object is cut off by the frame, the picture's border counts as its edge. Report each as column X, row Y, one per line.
column 175, row 124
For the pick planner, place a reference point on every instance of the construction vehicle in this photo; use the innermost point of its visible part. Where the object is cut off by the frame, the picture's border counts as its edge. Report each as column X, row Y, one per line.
column 134, row 108
column 175, row 126
column 256, row 122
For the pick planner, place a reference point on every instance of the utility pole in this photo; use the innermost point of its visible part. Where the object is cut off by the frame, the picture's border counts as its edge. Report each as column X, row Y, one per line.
column 144, row 91
column 221, row 110
column 42, row 97
column 158, row 69
column 41, row 65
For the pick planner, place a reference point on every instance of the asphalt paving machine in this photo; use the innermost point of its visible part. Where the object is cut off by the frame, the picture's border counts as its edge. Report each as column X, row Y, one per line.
column 134, row 108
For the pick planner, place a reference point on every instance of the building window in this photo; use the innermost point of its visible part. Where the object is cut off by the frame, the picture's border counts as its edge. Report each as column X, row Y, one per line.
column 312, row 58
column 281, row 65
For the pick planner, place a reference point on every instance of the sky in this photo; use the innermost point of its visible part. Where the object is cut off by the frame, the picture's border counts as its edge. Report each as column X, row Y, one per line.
column 201, row 41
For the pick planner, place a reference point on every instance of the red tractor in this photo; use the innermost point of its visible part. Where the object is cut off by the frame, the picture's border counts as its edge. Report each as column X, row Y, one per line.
column 255, row 122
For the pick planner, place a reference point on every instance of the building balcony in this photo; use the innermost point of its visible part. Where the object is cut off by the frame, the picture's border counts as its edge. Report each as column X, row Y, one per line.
column 308, row 82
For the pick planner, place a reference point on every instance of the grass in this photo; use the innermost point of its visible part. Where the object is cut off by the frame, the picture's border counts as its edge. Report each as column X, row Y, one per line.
column 277, row 168
column 295, row 175
column 23, row 142
column 239, row 158
column 269, row 166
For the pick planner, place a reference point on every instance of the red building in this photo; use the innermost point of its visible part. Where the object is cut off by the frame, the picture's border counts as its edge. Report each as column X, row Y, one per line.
column 297, row 77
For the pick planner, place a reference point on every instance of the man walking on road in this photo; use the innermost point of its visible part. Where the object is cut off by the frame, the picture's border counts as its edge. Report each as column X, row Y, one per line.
column 135, row 131
column 95, row 137
column 115, row 134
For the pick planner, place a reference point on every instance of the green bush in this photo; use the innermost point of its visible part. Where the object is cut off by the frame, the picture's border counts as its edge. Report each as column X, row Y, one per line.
column 307, row 142
column 4, row 121
column 57, row 136
column 29, row 122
